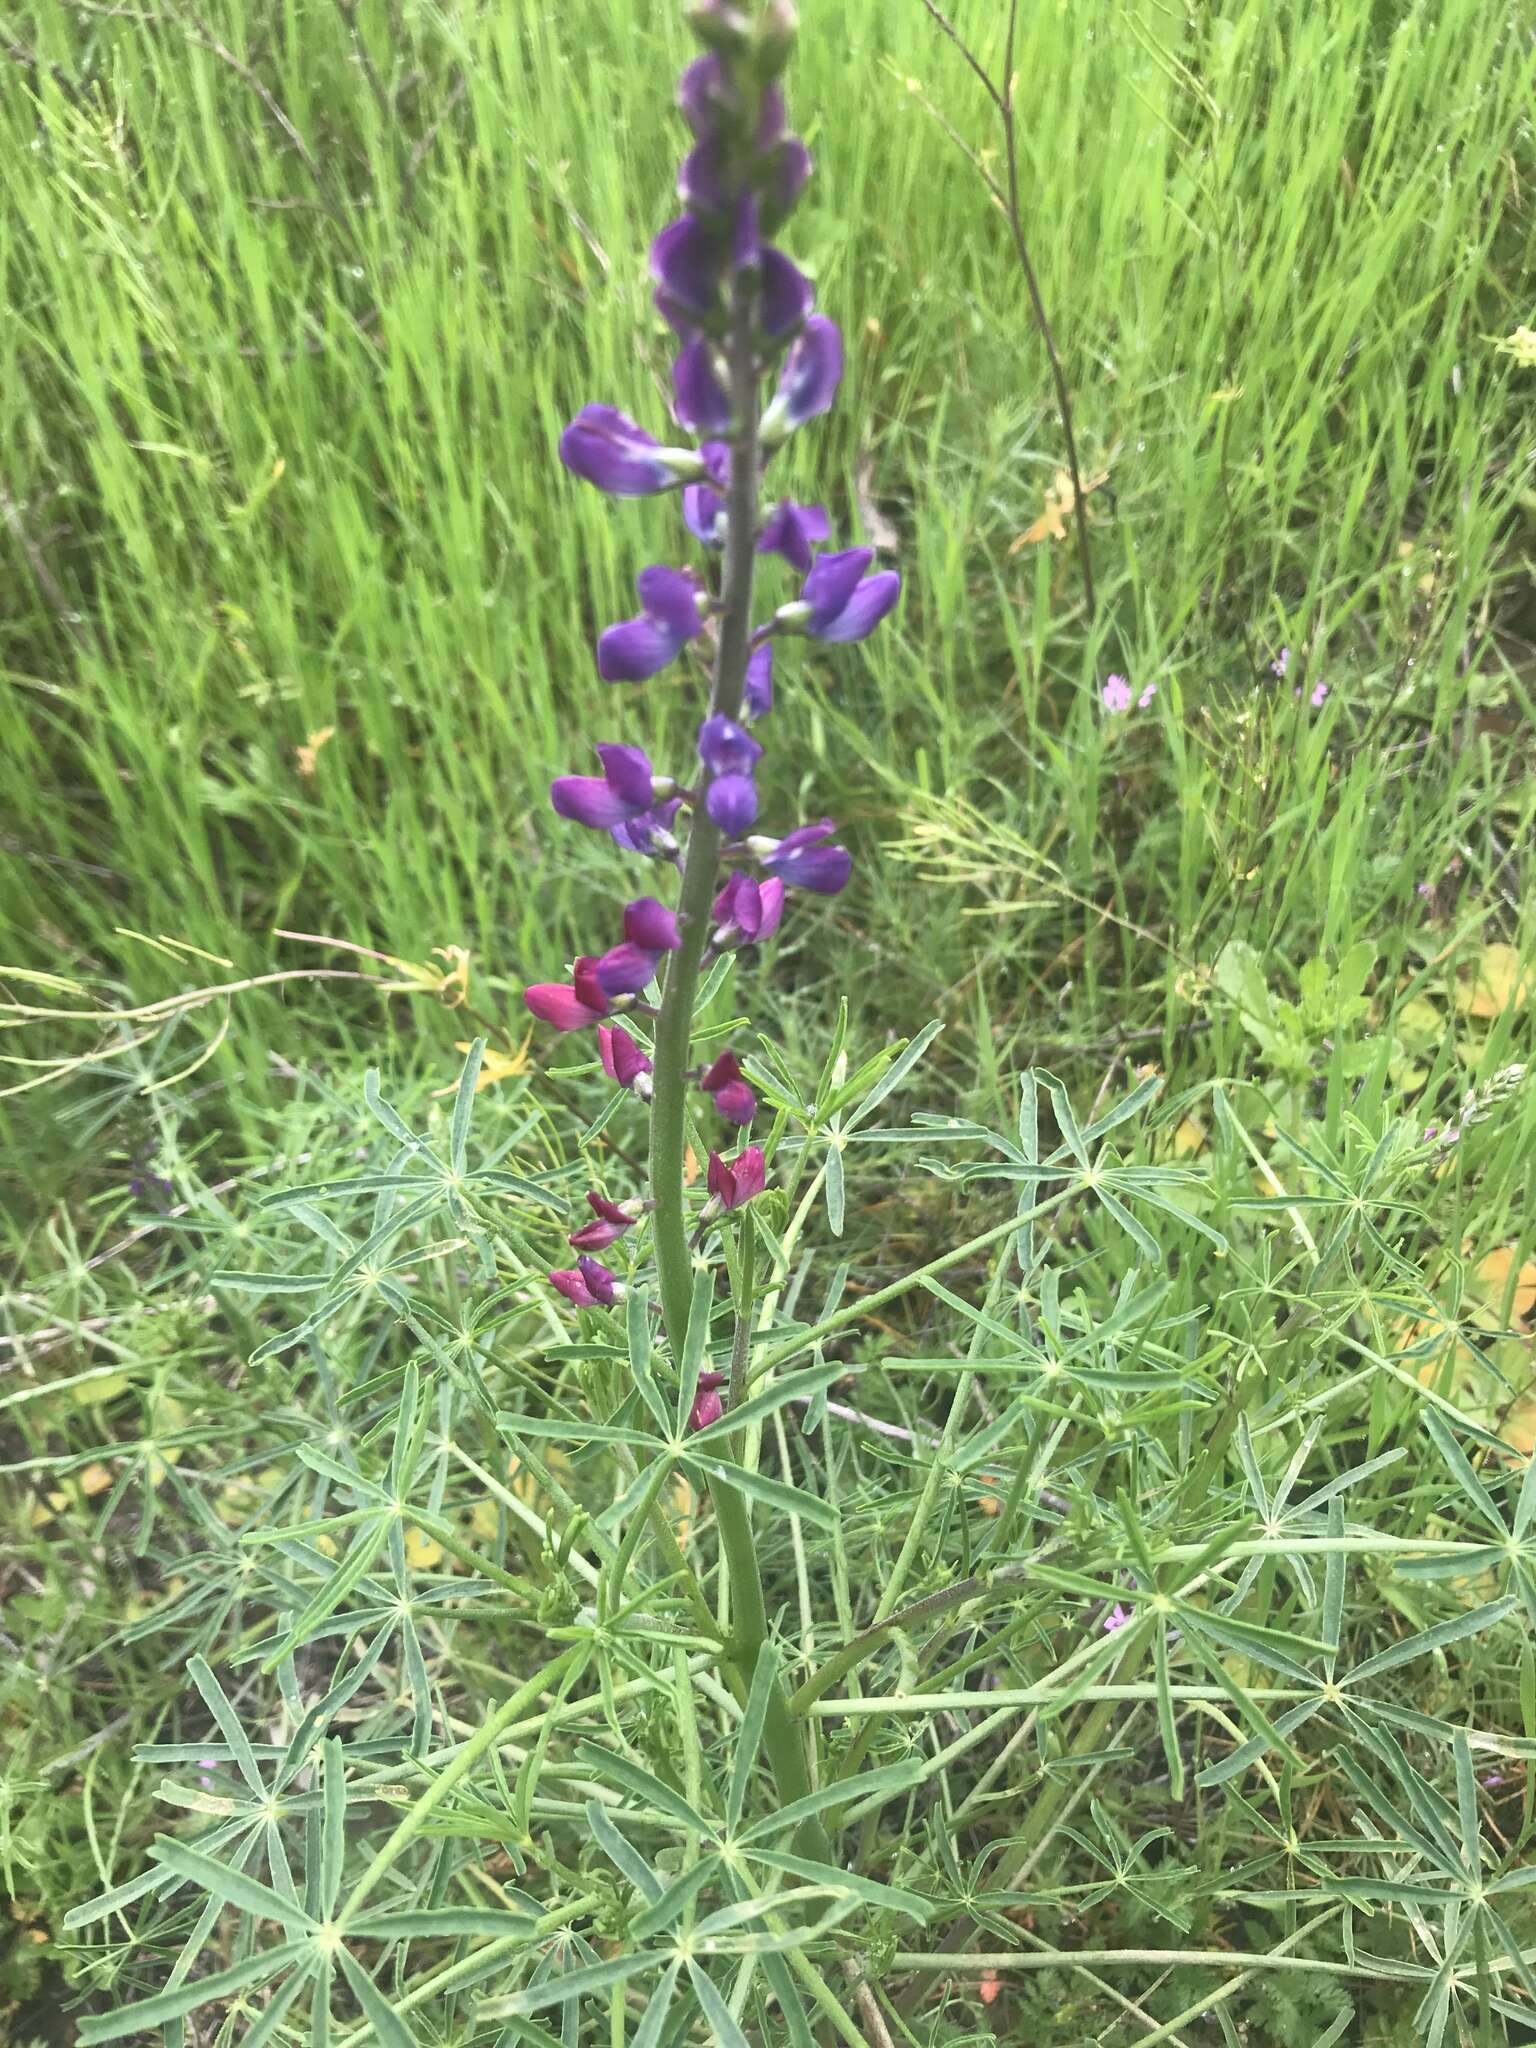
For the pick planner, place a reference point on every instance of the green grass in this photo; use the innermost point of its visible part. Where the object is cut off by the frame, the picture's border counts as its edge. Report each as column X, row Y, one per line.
column 278, row 433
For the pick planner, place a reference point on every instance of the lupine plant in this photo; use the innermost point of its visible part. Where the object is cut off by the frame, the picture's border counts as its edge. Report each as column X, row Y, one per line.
column 666, row 1639
column 754, row 364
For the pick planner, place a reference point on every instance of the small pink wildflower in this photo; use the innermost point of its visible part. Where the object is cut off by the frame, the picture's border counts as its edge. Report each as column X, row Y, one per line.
column 1319, row 692
column 1281, row 664
column 1116, row 694
column 1146, row 697
column 1117, row 1617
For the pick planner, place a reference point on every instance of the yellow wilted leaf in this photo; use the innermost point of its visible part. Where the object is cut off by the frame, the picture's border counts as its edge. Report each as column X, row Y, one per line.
column 94, row 1479
column 1499, row 984
column 682, row 1509
column 1188, row 1138
column 422, row 1552
column 1493, row 1279
column 483, row 1519
column 94, row 1393
column 1519, row 1430
column 308, row 754
column 1060, row 504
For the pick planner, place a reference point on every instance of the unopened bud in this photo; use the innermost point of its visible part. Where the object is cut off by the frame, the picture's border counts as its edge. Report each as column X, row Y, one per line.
column 776, row 30
column 720, row 27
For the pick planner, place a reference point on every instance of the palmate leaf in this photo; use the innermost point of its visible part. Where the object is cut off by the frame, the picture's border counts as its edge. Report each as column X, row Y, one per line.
column 137, row 2021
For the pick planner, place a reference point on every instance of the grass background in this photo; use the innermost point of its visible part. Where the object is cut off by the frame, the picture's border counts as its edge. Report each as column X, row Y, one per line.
column 299, row 297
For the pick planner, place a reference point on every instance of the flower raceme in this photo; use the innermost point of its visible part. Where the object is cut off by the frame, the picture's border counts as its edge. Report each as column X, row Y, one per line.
column 754, row 363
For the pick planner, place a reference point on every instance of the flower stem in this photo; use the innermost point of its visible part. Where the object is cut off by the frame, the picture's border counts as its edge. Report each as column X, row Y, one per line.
column 674, row 1026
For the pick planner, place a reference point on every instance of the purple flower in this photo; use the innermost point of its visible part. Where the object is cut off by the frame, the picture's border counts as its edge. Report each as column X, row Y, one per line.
column 1116, row 694
column 707, row 1405
column 1143, row 702
column 783, row 177
column 605, row 447
column 731, row 801
column 1319, row 692
column 699, row 397
column 732, row 1185
column 588, row 1284
column 727, row 748
column 804, row 860
column 838, row 601
column 205, row 1765
column 787, row 296
column 612, row 1219
column 701, row 182
column 729, row 1086
column 623, row 1061
column 686, row 264
column 651, row 833
column 569, row 1008
column 706, row 96
column 792, row 530
column 1280, row 664
column 808, row 381
column 650, row 930
column 1117, row 1617
column 638, row 648
column 704, row 514
column 759, row 688
column 625, row 790
column 747, row 911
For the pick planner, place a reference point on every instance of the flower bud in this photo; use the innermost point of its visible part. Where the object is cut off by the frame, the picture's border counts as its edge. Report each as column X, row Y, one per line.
column 774, row 43
column 720, row 27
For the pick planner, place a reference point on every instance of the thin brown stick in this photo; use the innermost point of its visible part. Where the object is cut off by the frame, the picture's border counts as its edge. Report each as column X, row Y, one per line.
column 1002, row 98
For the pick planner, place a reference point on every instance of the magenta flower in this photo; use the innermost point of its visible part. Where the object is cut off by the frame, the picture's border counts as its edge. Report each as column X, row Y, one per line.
column 730, row 1088
column 605, row 447
column 707, row 1405
column 588, row 1284
column 625, row 790
column 747, row 911
column 804, row 860
column 808, row 382
column 623, row 1061
column 570, row 1007
column 1117, row 1617
column 792, row 531
column 650, row 930
column 611, row 1220
column 1116, row 694
column 1281, row 664
column 1319, row 692
column 699, row 397
column 638, row 648
column 838, row 601
column 732, row 1185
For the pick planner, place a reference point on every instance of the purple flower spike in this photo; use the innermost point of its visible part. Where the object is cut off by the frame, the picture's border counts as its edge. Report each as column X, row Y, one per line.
column 707, row 1405
column 638, row 648
column 685, row 262
column 623, row 1061
column 650, row 924
column 731, row 1185
column 626, row 788
column 611, row 1220
column 792, row 531
column 651, row 833
column 787, row 296
column 804, row 860
column 605, row 447
column 838, row 601
column 808, row 381
column 729, row 1087
column 727, row 748
column 747, row 911
column 759, row 690
column 700, row 400
column 731, row 801
column 701, row 182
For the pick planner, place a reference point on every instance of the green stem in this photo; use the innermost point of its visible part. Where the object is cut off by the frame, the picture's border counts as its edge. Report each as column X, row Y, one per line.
column 674, row 1026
